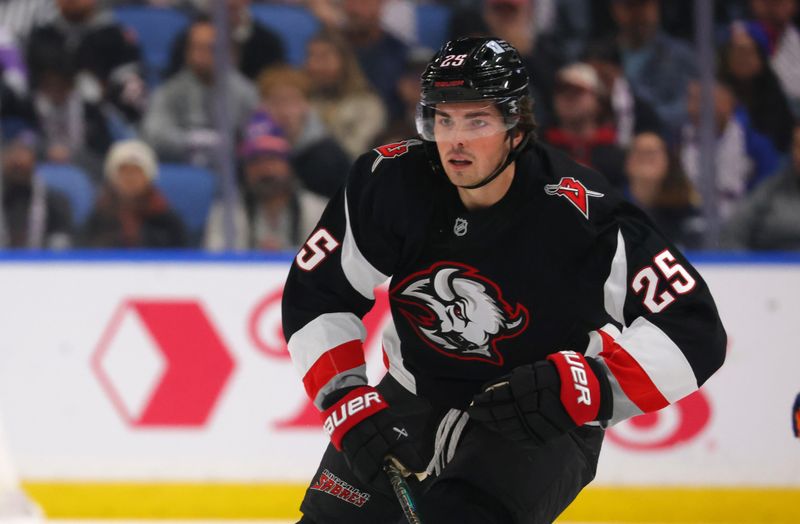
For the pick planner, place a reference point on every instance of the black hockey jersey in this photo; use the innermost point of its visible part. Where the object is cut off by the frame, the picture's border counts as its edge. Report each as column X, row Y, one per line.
column 561, row 262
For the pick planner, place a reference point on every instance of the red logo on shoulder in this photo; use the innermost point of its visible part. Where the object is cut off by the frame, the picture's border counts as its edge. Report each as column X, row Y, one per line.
column 574, row 191
column 393, row 150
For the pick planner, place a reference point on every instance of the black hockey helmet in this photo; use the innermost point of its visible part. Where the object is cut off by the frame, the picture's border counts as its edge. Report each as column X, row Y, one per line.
column 474, row 69
column 470, row 69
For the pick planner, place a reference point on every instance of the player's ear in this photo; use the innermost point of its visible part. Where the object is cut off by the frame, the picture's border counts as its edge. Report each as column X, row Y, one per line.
column 516, row 137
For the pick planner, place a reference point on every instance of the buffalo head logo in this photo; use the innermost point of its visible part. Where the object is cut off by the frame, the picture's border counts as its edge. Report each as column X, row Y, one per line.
column 458, row 312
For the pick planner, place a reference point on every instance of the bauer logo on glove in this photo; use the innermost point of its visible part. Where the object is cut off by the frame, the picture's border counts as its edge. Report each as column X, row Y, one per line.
column 349, row 411
column 540, row 402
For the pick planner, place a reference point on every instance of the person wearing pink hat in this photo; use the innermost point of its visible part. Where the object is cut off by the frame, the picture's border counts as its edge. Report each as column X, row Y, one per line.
column 275, row 213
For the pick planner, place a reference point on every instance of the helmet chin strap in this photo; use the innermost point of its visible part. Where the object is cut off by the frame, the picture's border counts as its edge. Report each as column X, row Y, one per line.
column 510, row 158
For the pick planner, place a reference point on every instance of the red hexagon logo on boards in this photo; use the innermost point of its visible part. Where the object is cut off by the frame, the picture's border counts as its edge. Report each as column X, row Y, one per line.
column 673, row 426
column 162, row 363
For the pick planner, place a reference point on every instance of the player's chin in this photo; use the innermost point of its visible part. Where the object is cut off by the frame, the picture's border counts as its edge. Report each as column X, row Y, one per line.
column 460, row 177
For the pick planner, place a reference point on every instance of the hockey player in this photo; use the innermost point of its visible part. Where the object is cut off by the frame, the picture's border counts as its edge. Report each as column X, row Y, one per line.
column 531, row 306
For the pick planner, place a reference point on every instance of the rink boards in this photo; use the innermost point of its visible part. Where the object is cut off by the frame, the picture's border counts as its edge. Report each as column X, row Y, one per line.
column 162, row 385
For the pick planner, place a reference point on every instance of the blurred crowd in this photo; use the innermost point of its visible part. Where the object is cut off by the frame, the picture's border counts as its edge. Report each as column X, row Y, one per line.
column 106, row 145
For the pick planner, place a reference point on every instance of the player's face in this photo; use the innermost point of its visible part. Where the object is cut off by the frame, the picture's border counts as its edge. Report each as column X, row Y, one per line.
column 472, row 140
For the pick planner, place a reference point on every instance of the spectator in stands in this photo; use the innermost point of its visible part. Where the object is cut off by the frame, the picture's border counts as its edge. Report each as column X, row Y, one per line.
column 254, row 47
column 776, row 17
column 516, row 22
column 404, row 126
column 130, row 212
column 317, row 158
column 33, row 216
column 381, row 55
column 179, row 123
column 73, row 130
column 659, row 186
column 677, row 17
column 276, row 214
column 584, row 128
column 567, row 22
column 106, row 55
column 769, row 219
column 351, row 110
column 658, row 66
column 632, row 115
column 745, row 65
column 744, row 156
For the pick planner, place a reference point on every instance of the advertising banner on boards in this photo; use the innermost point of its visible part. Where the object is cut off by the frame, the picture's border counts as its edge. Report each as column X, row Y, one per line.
column 171, row 371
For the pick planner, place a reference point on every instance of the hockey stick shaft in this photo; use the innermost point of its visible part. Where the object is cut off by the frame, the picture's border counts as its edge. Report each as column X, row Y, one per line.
column 402, row 492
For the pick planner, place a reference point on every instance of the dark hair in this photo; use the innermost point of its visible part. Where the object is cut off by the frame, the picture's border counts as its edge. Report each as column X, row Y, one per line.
column 527, row 121
column 353, row 80
column 201, row 18
column 762, row 96
column 58, row 63
column 603, row 51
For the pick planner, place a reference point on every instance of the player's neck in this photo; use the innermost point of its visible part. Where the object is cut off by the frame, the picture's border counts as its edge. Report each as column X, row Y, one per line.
column 490, row 194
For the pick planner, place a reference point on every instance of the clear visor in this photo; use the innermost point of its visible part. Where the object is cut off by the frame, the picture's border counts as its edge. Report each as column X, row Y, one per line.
column 452, row 121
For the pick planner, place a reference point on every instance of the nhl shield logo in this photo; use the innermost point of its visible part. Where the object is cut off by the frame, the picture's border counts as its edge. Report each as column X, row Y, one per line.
column 459, row 312
column 460, row 227
column 575, row 192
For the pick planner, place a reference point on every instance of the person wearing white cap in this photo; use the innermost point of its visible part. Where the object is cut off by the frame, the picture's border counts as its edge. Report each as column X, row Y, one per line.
column 130, row 211
column 584, row 124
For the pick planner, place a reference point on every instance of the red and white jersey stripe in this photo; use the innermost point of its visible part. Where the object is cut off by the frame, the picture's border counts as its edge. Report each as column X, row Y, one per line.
column 328, row 353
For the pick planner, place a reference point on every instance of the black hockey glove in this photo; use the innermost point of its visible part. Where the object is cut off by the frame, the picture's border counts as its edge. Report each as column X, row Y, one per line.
column 539, row 402
column 363, row 427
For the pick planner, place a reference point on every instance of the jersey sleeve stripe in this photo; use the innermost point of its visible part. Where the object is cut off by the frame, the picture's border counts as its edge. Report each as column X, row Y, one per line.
column 615, row 287
column 361, row 275
column 325, row 332
column 660, row 358
column 624, row 407
column 337, row 361
column 633, row 380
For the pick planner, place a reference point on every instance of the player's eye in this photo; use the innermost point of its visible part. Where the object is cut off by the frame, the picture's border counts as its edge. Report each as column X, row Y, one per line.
column 478, row 123
column 445, row 121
